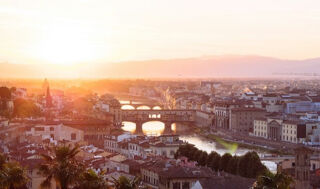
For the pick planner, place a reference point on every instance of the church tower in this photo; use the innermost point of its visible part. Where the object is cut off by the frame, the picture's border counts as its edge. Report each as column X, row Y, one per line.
column 48, row 98
column 302, row 168
column 45, row 86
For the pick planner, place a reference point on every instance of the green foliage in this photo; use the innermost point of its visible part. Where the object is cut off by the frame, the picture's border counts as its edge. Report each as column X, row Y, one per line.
column 82, row 105
column 233, row 165
column 124, row 183
column 90, row 180
column 5, row 93
column 12, row 175
column 62, row 167
column 214, row 160
column 25, row 108
column 203, row 158
column 223, row 164
column 273, row 181
column 248, row 165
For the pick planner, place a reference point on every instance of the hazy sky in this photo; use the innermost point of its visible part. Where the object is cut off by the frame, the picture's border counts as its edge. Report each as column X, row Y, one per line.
column 71, row 31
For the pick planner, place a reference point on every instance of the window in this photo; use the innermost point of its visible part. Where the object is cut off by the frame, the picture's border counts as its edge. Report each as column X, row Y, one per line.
column 73, row 136
column 176, row 185
column 51, row 128
column 39, row 129
column 186, row 185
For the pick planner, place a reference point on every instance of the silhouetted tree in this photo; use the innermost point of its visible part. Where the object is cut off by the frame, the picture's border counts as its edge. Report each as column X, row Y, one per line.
column 223, row 164
column 90, row 180
column 233, row 165
column 25, row 108
column 214, row 160
column 62, row 167
column 273, row 181
column 202, row 160
column 12, row 175
column 5, row 93
column 124, row 183
column 250, row 165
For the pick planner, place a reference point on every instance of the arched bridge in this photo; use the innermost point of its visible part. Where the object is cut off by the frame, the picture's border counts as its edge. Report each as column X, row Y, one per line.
column 137, row 105
column 167, row 116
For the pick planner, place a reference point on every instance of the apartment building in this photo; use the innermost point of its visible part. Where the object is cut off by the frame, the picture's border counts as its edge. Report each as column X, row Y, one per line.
column 241, row 119
column 56, row 132
column 294, row 131
column 260, row 127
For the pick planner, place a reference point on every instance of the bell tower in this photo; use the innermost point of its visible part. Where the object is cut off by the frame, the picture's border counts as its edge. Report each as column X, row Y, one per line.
column 302, row 168
column 48, row 98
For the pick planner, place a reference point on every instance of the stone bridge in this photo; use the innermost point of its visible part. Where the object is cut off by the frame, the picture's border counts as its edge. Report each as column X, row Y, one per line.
column 137, row 105
column 168, row 117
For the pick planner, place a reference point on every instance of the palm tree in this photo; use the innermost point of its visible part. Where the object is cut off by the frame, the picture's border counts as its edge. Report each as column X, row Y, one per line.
column 3, row 161
column 124, row 183
column 12, row 175
column 61, row 166
column 274, row 181
column 91, row 180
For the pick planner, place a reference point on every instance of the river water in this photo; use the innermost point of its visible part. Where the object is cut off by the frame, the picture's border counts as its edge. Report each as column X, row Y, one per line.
column 156, row 128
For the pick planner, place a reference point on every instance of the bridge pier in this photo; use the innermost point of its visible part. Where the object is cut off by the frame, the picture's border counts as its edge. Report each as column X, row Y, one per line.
column 138, row 130
column 167, row 128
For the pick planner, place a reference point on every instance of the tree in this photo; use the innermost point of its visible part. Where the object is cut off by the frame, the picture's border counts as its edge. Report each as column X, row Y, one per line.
column 196, row 155
column 250, row 165
column 233, row 165
column 12, row 175
column 5, row 93
column 273, row 181
column 213, row 160
column 25, row 108
column 82, row 105
column 202, row 160
column 62, row 167
column 223, row 164
column 91, row 180
column 124, row 183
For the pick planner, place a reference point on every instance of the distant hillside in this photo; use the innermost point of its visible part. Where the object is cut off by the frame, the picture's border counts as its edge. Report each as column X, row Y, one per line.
column 213, row 66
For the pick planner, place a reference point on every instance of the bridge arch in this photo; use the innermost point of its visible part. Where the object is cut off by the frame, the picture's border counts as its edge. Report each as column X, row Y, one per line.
column 156, row 108
column 129, row 126
column 153, row 127
column 127, row 107
column 143, row 107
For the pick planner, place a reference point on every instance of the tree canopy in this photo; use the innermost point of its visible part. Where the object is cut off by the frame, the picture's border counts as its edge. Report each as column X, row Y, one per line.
column 12, row 175
column 273, row 181
column 248, row 165
column 25, row 108
column 5, row 93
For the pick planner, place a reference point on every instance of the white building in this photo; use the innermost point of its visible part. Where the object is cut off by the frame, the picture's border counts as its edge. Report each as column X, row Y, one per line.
column 260, row 128
column 56, row 132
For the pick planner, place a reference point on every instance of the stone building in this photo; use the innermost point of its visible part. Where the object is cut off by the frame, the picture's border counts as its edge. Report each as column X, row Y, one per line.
column 222, row 114
column 241, row 119
column 280, row 129
column 302, row 168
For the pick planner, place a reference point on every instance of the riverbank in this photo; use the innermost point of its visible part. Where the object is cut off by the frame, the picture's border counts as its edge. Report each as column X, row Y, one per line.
column 227, row 140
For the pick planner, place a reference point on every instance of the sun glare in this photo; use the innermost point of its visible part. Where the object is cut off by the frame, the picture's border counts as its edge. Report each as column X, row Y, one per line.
column 66, row 45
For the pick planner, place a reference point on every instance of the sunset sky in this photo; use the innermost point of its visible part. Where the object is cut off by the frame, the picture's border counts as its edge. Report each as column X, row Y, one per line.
column 98, row 31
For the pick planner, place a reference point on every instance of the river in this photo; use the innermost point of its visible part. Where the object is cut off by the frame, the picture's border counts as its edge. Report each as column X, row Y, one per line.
column 156, row 128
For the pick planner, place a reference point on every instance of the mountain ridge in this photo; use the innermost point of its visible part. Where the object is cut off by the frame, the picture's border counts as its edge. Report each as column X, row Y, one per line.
column 205, row 66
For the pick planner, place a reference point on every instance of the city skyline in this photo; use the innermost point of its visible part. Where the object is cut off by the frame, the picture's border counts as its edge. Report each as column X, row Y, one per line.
column 136, row 94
